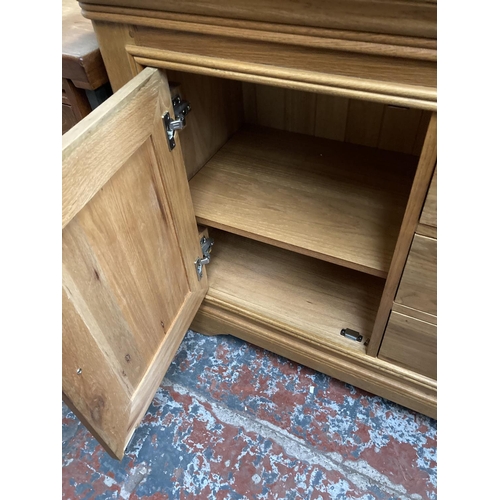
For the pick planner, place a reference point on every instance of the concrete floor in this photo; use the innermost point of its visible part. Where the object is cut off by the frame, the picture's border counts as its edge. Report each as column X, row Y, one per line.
column 233, row 421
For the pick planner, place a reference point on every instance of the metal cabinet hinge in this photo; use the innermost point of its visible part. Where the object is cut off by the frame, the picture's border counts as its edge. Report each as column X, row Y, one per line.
column 206, row 248
column 181, row 109
column 351, row 334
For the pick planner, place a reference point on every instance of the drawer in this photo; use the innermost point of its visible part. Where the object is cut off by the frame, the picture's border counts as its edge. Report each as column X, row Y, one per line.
column 418, row 287
column 411, row 343
column 429, row 212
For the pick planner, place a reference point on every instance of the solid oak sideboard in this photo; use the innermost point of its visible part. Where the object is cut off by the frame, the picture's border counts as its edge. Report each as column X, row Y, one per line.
column 265, row 170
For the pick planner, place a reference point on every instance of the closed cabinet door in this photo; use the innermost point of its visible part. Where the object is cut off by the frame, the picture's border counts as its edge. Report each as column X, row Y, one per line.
column 129, row 242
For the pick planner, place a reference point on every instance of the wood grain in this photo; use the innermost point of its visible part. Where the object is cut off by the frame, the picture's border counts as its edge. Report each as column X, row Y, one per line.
column 331, row 117
column 421, row 182
column 68, row 118
column 339, row 118
column 77, row 99
column 284, row 109
column 306, row 194
column 300, row 111
column 385, row 74
column 87, row 378
column 302, row 296
column 415, row 79
column 65, row 99
column 371, row 374
column 429, row 212
column 271, row 103
column 426, row 230
column 216, row 113
column 129, row 280
column 360, row 41
column 175, row 189
column 364, row 122
column 220, row 68
column 112, row 38
column 87, row 166
column 344, row 41
column 409, row 18
column 414, row 313
column 399, row 129
column 418, row 287
column 421, row 132
column 249, row 102
column 81, row 58
column 411, row 343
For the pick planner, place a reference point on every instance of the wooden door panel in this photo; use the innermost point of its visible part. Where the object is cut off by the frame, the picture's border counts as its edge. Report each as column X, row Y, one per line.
column 88, row 377
column 130, row 288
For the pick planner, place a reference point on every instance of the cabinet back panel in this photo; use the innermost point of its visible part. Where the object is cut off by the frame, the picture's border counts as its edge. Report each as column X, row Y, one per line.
column 365, row 123
column 221, row 106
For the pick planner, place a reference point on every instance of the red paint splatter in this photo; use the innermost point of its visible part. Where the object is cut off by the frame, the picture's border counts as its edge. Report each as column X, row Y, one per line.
column 363, row 432
column 398, row 461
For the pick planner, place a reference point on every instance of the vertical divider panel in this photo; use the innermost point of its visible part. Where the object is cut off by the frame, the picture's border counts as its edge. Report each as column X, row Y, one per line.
column 410, row 220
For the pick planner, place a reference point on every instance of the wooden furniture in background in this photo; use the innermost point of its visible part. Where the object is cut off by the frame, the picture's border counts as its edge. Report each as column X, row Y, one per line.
column 308, row 157
column 85, row 83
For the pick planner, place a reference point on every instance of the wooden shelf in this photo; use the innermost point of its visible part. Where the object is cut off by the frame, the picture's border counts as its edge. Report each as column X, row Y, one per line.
column 338, row 202
column 303, row 296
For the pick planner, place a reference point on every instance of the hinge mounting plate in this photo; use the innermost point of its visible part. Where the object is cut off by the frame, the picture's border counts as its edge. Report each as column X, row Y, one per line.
column 181, row 109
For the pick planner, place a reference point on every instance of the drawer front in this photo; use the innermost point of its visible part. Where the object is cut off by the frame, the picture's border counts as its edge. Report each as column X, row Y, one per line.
column 418, row 287
column 411, row 343
column 429, row 212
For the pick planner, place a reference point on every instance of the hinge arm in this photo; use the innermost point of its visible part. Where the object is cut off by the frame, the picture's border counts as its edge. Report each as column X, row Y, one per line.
column 206, row 249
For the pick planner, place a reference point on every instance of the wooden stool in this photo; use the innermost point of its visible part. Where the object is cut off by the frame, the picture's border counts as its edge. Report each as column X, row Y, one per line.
column 85, row 82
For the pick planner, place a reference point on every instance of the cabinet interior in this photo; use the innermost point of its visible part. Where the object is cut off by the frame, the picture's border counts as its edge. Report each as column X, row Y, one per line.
column 304, row 195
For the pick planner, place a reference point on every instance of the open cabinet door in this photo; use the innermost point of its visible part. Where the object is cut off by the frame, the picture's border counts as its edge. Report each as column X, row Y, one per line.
column 130, row 242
